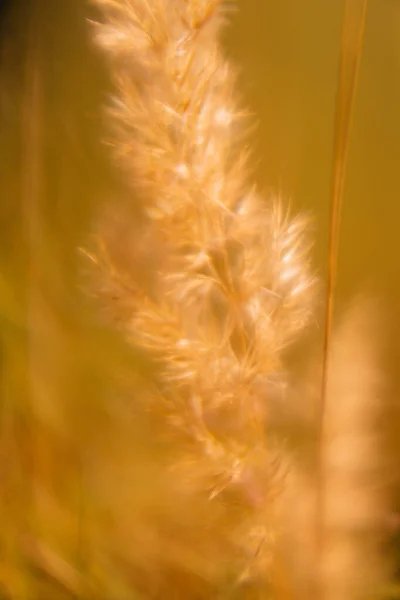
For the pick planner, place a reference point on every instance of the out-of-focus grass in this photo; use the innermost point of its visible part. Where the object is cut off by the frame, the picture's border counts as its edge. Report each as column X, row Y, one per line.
column 58, row 364
column 61, row 434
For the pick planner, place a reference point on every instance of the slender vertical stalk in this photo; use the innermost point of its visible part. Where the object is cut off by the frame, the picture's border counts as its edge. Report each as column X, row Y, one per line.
column 353, row 27
column 31, row 192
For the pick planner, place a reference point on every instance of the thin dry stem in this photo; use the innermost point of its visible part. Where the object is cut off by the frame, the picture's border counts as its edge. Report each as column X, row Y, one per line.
column 353, row 27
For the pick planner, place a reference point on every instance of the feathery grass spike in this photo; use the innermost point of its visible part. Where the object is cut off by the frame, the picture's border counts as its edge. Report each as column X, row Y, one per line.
column 215, row 282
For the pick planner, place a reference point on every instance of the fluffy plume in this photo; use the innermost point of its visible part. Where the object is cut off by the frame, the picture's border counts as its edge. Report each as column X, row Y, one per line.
column 348, row 564
column 231, row 285
column 355, row 502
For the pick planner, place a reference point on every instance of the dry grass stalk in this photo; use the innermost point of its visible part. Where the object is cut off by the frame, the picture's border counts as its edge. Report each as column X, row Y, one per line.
column 231, row 287
column 211, row 282
column 350, row 564
column 213, row 286
column 355, row 490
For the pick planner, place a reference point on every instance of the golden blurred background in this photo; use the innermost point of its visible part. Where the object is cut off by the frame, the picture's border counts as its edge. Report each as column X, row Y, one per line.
column 55, row 172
